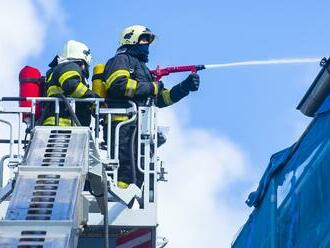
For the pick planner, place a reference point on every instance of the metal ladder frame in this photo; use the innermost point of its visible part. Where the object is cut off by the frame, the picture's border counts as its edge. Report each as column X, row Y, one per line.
column 119, row 215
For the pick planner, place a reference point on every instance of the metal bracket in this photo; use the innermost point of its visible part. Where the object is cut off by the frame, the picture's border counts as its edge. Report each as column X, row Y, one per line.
column 14, row 162
column 162, row 172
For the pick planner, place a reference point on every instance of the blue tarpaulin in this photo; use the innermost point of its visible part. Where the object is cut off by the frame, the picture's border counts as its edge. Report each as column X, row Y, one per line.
column 276, row 162
column 295, row 212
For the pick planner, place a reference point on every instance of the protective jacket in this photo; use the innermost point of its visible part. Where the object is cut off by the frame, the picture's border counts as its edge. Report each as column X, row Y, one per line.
column 128, row 78
column 67, row 79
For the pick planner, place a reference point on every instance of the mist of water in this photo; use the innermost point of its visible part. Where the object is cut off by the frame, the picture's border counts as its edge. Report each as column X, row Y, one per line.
column 265, row 62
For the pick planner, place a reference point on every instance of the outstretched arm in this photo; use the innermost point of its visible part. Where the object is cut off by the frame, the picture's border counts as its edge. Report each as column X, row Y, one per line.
column 179, row 91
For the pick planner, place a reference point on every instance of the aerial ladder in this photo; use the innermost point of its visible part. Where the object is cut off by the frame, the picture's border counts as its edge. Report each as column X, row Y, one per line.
column 62, row 189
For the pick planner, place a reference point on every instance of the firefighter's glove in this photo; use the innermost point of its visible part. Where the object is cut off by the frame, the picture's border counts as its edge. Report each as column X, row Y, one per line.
column 191, row 83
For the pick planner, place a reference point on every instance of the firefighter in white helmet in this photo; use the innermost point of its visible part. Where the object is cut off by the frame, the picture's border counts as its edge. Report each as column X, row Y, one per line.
column 68, row 76
column 127, row 77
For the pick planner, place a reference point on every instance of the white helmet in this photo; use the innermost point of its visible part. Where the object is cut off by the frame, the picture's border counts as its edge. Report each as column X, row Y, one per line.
column 132, row 34
column 75, row 50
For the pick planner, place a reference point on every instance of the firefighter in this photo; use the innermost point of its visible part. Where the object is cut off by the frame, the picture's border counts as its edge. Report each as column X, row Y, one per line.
column 67, row 75
column 127, row 77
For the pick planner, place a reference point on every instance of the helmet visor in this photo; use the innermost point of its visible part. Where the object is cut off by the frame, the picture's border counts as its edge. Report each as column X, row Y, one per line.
column 148, row 37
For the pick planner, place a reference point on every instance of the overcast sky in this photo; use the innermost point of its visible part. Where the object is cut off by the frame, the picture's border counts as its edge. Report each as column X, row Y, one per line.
column 222, row 136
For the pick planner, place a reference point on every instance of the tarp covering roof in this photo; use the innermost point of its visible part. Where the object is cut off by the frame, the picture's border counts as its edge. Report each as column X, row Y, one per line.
column 277, row 161
column 294, row 213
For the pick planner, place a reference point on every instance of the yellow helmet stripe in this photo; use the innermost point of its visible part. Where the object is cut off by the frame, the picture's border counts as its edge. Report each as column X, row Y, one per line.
column 66, row 75
column 115, row 75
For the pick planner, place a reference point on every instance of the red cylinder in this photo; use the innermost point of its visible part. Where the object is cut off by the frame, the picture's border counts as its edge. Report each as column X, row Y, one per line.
column 30, row 86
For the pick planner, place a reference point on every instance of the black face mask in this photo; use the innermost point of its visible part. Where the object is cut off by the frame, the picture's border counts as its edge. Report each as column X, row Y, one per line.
column 140, row 51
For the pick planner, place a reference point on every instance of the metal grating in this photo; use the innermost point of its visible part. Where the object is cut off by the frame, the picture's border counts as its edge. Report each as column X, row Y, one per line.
column 43, row 209
column 43, row 197
column 57, row 148
column 32, row 239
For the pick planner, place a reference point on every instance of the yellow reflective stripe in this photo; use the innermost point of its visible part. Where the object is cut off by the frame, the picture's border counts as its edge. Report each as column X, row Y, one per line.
column 166, row 94
column 50, row 121
column 79, row 91
column 119, row 118
column 122, row 185
column 50, row 77
column 54, row 90
column 67, row 75
column 155, row 88
column 114, row 76
column 116, row 118
column 130, row 87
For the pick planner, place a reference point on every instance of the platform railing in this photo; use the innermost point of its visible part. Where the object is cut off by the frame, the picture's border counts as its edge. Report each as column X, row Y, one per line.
column 99, row 112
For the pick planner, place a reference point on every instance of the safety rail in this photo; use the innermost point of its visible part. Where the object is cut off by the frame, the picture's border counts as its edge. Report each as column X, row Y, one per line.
column 115, row 204
column 15, row 159
column 56, row 100
column 109, row 112
column 144, row 116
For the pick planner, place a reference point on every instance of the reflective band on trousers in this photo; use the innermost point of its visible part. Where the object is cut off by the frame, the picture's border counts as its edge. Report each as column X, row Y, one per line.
column 117, row 118
column 67, row 75
column 79, row 91
column 54, row 90
column 166, row 94
column 50, row 121
column 117, row 74
column 130, row 87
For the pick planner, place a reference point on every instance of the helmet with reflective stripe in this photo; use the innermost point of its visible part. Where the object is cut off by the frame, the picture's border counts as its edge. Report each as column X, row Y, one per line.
column 75, row 51
column 132, row 35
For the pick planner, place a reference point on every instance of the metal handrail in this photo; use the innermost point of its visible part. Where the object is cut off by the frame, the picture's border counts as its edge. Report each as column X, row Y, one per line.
column 11, row 144
column 132, row 111
column 109, row 112
column 35, row 100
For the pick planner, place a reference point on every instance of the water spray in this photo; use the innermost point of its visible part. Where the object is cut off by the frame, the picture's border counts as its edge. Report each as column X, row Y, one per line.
column 160, row 72
column 265, row 62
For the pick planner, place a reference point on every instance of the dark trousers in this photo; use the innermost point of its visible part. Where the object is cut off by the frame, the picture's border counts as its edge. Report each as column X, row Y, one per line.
column 126, row 173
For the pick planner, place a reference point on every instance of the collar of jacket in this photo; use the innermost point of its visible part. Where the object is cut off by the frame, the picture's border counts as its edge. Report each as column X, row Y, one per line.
column 141, row 52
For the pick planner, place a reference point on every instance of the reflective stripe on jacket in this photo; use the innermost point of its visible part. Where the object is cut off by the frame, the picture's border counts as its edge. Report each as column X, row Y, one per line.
column 127, row 78
column 66, row 78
